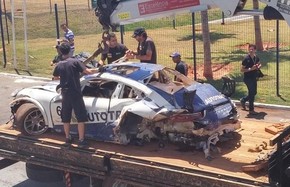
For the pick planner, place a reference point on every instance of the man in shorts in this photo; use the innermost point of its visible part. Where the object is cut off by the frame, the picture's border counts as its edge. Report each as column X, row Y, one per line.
column 68, row 71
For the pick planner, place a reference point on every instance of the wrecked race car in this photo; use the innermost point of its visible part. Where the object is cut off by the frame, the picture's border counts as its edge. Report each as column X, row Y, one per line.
column 130, row 102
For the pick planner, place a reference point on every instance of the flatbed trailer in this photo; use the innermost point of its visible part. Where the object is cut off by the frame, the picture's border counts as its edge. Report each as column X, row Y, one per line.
column 146, row 165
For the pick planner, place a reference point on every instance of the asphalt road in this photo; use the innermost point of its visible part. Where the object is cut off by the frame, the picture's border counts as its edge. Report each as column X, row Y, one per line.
column 13, row 174
column 10, row 83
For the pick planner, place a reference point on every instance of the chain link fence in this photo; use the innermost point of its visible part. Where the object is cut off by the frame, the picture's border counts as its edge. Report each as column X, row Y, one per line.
column 229, row 40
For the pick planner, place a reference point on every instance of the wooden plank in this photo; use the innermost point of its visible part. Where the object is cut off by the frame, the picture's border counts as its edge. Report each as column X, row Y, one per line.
column 276, row 128
column 254, row 167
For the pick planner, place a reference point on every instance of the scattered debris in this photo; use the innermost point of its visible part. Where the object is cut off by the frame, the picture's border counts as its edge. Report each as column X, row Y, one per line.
column 262, row 160
column 259, row 148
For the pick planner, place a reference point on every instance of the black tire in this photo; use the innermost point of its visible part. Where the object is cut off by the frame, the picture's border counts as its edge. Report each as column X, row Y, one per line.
column 43, row 174
column 30, row 120
column 48, row 175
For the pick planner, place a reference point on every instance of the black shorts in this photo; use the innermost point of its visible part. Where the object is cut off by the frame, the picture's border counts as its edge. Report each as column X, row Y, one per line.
column 72, row 101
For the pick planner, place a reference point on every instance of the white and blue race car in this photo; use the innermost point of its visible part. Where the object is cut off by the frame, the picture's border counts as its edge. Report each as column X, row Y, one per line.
column 134, row 101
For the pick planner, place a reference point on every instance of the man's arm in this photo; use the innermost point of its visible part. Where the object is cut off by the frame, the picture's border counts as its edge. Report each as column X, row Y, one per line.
column 145, row 57
column 103, row 58
column 134, row 55
column 71, row 40
column 244, row 69
column 68, row 39
column 90, row 71
column 56, row 75
column 243, row 66
column 55, row 78
column 149, row 53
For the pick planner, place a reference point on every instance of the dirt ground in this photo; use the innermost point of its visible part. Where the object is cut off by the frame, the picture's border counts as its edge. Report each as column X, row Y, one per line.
column 221, row 69
column 266, row 46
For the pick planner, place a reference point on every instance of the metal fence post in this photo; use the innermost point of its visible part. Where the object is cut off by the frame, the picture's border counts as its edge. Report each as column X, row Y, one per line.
column 56, row 22
column 2, row 37
column 277, row 59
column 194, row 45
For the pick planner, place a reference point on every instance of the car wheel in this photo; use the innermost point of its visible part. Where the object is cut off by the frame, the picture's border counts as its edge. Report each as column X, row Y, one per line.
column 30, row 120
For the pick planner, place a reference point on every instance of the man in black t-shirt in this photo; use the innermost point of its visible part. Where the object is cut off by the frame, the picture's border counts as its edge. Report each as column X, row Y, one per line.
column 68, row 71
column 115, row 50
column 180, row 66
column 146, row 50
column 250, row 66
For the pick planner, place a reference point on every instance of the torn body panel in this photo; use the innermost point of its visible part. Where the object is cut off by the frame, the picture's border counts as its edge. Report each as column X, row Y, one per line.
column 144, row 120
column 199, row 115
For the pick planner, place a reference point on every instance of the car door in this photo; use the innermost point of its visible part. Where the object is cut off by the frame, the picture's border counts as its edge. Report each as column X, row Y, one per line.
column 104, row 99
column 96, row 102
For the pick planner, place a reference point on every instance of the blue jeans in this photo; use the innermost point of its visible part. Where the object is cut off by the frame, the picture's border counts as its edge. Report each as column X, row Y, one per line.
column 252, row 91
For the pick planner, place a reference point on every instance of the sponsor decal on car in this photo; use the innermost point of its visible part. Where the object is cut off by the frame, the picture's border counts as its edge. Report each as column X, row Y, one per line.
column 98, row 116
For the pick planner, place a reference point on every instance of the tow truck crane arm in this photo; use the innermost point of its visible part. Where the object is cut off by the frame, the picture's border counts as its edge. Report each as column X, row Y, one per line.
column 112, row 13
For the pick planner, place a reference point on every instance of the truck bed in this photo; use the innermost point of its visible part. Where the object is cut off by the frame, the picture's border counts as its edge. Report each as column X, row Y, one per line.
column 140, row 163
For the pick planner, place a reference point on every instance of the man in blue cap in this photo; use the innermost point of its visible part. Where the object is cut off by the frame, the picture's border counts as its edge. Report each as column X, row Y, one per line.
column 180, row 66
column 146, row 50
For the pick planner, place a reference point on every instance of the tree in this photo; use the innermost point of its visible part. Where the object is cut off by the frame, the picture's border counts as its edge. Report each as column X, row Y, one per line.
column 258, row 35
column 207, row 72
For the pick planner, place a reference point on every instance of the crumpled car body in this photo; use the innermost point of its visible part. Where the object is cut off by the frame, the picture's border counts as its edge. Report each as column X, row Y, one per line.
column 134, row 101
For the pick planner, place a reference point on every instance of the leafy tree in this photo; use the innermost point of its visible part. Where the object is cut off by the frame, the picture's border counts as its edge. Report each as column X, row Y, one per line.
column 207, row 73
column 258, row 35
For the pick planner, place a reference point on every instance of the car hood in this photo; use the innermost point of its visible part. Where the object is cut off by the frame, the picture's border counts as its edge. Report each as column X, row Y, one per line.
column 30, row 91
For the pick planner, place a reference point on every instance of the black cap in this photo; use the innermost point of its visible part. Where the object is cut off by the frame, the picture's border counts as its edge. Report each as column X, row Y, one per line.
column 64, row 48
column 138, row 32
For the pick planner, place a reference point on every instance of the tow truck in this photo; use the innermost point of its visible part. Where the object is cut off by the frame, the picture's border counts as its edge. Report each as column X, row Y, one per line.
column 107, row 164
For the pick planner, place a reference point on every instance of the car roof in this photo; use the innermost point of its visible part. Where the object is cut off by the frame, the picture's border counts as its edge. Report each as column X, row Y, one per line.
column 134, row 70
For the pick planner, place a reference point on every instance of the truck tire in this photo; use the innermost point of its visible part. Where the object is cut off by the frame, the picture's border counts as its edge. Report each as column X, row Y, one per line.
column 47, row 175
column 43, row 174
column 29, row 120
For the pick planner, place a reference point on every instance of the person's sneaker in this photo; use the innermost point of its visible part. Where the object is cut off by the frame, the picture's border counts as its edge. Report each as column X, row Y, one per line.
column 252, row 112
column 243, row 104
column 82, row 143
column 68, row 140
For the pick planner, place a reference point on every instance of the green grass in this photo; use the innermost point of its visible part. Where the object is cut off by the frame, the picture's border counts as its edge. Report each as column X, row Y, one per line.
column 225, row 41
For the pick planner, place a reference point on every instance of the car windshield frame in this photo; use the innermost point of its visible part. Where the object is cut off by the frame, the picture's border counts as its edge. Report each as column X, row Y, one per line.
column 166, row 76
